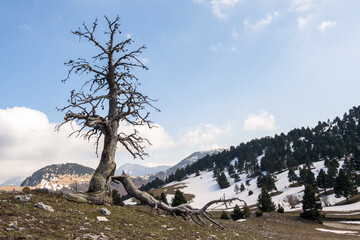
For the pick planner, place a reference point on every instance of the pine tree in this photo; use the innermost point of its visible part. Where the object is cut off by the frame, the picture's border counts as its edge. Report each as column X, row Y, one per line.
column 349, row 169
column 265, row 204
column 178, row 199
column 236, row 189
column 292, row 176
column 117, row 201
column 231, row 170
column 311, row 205
column 224, row 216
column 242, row 187
column 236, row 177
column 215, row 173
column 344, row 186
column 321, row 180
column 266, row 181
column 222, row 181
column 163, row 198
column 237, row 213
column 246, row 211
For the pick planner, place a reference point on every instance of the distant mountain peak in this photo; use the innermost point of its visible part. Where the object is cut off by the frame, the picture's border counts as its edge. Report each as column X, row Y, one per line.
column 52, row 171
column 134, row 169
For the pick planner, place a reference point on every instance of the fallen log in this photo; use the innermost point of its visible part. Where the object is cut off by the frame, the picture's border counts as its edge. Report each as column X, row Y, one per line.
column 184, row 210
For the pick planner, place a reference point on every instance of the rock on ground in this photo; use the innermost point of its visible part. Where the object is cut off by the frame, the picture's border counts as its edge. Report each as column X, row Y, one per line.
column 105, row 211
column 23, row 198
column 44, row 207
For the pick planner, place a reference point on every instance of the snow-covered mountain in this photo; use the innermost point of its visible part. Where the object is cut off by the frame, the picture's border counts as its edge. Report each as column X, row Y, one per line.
column 139, row 170
column 194, row 157
column 14, row 181
column 205, row 188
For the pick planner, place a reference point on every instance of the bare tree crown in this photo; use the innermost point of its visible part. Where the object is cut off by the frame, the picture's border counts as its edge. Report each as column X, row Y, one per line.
column 111, row 88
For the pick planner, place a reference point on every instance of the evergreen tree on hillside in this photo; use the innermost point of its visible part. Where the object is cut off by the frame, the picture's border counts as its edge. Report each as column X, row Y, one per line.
column 237, row 213
column 311, row 205
column 222, row 181
column 215, row 173
column 321, row 180
column 236, row 189
column 264, row 203
column 117, row 201
column 178, row 199
column 231, row 170
column 292, row 176
column 267, row 181
column 242, row 187
column 343, row 186
column 236, row 177
column 163, row 198
column 349, row 169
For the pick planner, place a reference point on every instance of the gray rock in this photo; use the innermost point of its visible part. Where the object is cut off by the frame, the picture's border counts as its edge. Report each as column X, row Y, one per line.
column 44, row 207
column 102, row 236
column 105, row 211
column 13, row 225
column 23, row 198
column 102, row 219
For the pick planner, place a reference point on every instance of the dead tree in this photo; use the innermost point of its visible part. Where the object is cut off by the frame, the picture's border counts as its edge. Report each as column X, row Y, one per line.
column 183, row 210
column 107, row 98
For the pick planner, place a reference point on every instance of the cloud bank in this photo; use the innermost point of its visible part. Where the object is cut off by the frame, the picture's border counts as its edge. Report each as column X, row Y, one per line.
column 263, row 121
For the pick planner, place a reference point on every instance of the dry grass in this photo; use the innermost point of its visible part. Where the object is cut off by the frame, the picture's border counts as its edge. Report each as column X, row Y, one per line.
column 71, row 220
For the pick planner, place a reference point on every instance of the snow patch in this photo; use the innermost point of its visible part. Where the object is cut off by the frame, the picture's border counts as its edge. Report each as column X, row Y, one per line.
column 336, row 231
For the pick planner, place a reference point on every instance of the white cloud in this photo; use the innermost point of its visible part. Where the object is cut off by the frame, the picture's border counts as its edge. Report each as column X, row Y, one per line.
column 262, row 22
column 303, row 22
column 234, row 33
column 219, row 6
column 156, row 135
column 128, row 36
column 263, row 121
column 28, row 142
column 325, row 25
column 203, row 135
column 301, row 5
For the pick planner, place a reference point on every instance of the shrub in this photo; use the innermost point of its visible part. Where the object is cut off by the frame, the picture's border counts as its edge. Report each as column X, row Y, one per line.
column 246, row 212
column 250, row 192
column 293, row 200
column 280, row 209
column 117, row 201
column 224, row 216
column 26, row 190
column 237, row 213
column 259, row 213
column 178, row 199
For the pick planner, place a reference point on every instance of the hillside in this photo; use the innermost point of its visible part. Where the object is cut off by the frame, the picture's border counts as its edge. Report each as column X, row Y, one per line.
column 58, row 176
column 192, row 158
column 331, row 141
column 139, row 170
column 22, row 220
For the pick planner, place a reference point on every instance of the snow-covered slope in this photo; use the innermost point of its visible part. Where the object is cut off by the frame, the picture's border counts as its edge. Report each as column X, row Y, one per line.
column 205, row 188
column 183, row 163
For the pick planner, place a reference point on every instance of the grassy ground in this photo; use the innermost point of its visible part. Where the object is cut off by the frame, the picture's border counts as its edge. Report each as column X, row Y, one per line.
column 76, row 221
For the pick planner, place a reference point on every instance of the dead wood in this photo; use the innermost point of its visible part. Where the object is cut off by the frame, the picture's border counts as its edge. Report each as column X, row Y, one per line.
column 184, row 210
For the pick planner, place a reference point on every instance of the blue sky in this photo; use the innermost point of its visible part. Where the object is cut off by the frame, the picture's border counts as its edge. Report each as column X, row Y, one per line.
column 223, row 71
